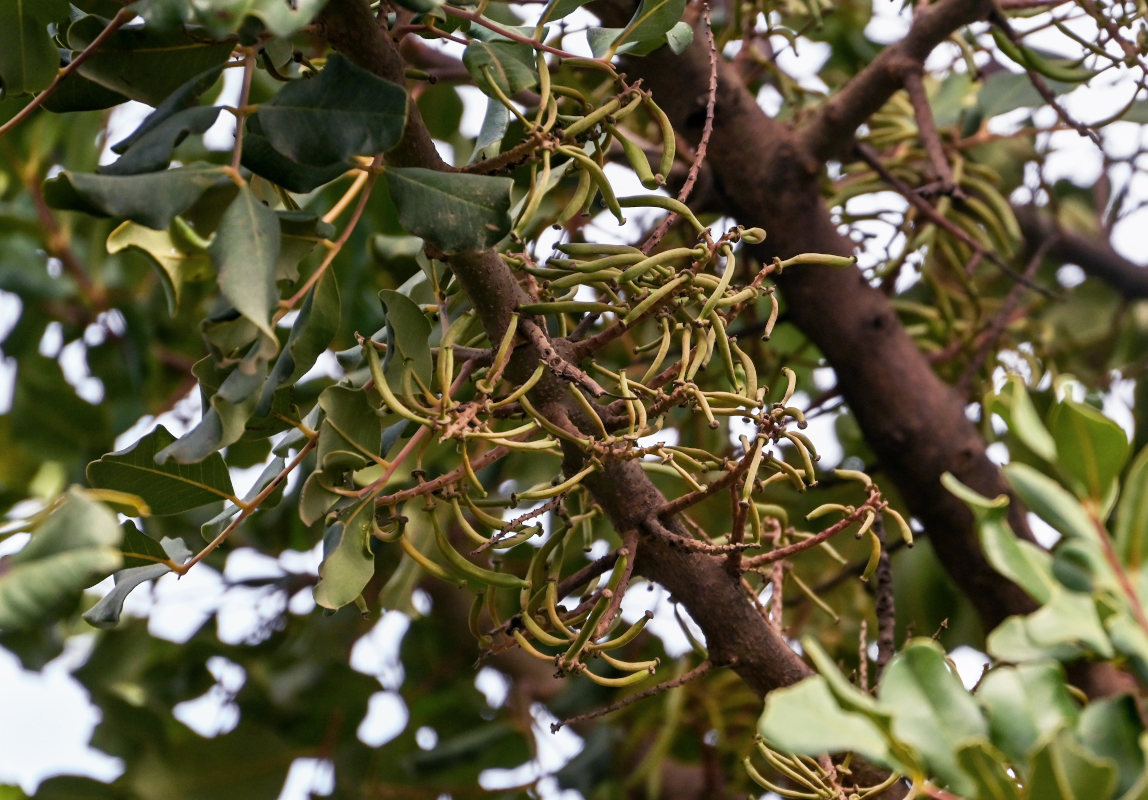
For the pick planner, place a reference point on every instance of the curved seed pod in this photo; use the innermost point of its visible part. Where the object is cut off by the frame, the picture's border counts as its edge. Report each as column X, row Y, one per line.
column 467, row 568
column 590, row 625
column 630, row 666
column 539, row 633
column 384, row 390
column 599, row 178
column 624, row 638
column 684, row 361
column 637, row 159
column 750, row 370
column 667, row 203
column 774, row 310
column 723, row 283
column 806, row 460
column 663, row 349
column 639, row 269
column 722, row 342
column 465, row 526
column 577, row 200
column 615, row 683
column 1001, row 208
column 901, row 523
column 596, row 249
column 430, row 567
column 593, row 118
column 501, row 356
column 824, row 259
column 1028, row 59
column 525, row 644
column 526, row 386
column 853, row 475
column 474, row 618
column 702, row 353
column 829, row 508
column 867, row 522
column 874, row 556
column 669, row 138
column 754, row 466
column 790, row 385
column 789, row 471
column 539, row 185
column 653, row 298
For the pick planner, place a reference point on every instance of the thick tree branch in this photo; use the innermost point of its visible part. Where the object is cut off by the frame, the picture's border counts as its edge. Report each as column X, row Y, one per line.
column 768, row 175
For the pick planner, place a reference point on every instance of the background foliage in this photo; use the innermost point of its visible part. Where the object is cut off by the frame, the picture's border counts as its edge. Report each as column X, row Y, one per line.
column 499, row 385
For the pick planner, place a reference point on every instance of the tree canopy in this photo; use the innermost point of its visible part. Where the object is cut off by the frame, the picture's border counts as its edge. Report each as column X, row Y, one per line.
column 673, row 395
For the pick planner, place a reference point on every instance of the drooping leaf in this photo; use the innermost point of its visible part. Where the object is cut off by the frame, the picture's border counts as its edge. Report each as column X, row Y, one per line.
column 348, row 562
column 106, row 613
column 1014, row 405
column 264, row 160
column 74, row 547
column 1051, row 502
column 931, row 709
column 350, row 433
column 28, row 57
column 299, row 233
column 153, row 199
column 246, row 252
column 344, row 111
column 152, row 151
column 177, row 263
column 495, row 122
column 650, row 22
column 185, row 97
column 143, row 62
column 167, row 488
column 1091, row 447
column 452, row 211
column 408, row 338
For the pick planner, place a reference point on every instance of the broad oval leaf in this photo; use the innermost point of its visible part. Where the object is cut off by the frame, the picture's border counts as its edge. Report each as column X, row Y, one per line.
column 453, row 211
column 1091, row 448
column 168, row 488
column 508, row 65
column 246, row 252
column 1024, row 704
column 28, row 57
column 408, row 338
column 344, row 111
column 348, row 562
column 153, row 199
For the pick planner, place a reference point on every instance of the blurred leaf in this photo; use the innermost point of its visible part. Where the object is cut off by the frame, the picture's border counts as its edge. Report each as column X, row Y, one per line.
column 1051, row 502
column 1025, row 704
column 1014, row 405
column 1131, row 529
column 987, row 769
column 1111, row 727
column 1091, row 448
column 74, row 547
column 1061, row 627
column 167, row 488
column 28, row 58
column 1062, row 769
column 177, row 263
column 106, row 613
column 452, row 211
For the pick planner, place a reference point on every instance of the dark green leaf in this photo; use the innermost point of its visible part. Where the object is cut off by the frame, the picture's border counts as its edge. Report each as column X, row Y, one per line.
column 74, row 547
column 77, row 93
column 350, row 434
column 408, row 338
column 54, row 420
column 152, row 152
column 452, row 211
column 106, row 613
column 650, row 22
column 343, row 112
column 300, row 233
column 28, row 58
column 246, row 252
column 183, row 98
column 264, row 160
column 152, row 200
column 145, row 63
column 167, row 488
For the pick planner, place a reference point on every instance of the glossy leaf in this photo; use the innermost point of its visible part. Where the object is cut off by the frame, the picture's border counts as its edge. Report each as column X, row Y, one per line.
column 261, row 158
column 167, row 488
column 153, row 199
column 508, row 65
column 343, row 112
column 452, row 211
column 74, row 547
column 152, row 151
column 145, row 63
column 1091, row 448
column 347, row 562
column 650, row 22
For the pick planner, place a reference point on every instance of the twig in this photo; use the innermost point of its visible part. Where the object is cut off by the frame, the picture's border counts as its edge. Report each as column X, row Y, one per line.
column 703, row 143
column 759, row 561
column 241, row 108
column 698, row 671
column 886, row 610
column 122, row 17
column 927, row 127
column 554, row 360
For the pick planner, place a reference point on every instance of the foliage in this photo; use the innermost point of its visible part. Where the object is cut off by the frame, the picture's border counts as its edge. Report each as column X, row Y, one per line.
column 499, row 382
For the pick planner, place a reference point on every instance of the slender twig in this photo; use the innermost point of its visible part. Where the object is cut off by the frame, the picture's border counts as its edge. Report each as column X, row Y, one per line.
column 509, row 34
column 700, row 151
column 695, row 673
column 927, row 127
column 122, row 17
column 241, row 109
column 785, row 552
column 886, row 610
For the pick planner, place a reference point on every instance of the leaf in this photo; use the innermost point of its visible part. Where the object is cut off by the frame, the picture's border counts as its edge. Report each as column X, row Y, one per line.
column 350, row 434
column 184, row 98
column 74, row 547
column 168, row 488
column 177, row 264
column 508, row 65
column 312, row 331
column 1059, row 629
column 495, row 122
column 932, row 711
column 680, row 37
column 806, row 718
column 285, row 19
column 143, row 62
column 53, row 419
column 152, row 151
column 1006, row 91
column 1131, row 529
column 264, row 160
column 1051, row 502
column 453, row 211
column 987, row 768
column 1091, row 448
column 1014, row 405
column 1111, row 727
column 1064, row 770
column 106, row 613
column 408, row 338
column 1024, row 705
column 153, row 199
column 347, row 562
column 343, row 112
column 246, row 251
column 650, row 22
column 299, row 233
column 28, row 57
